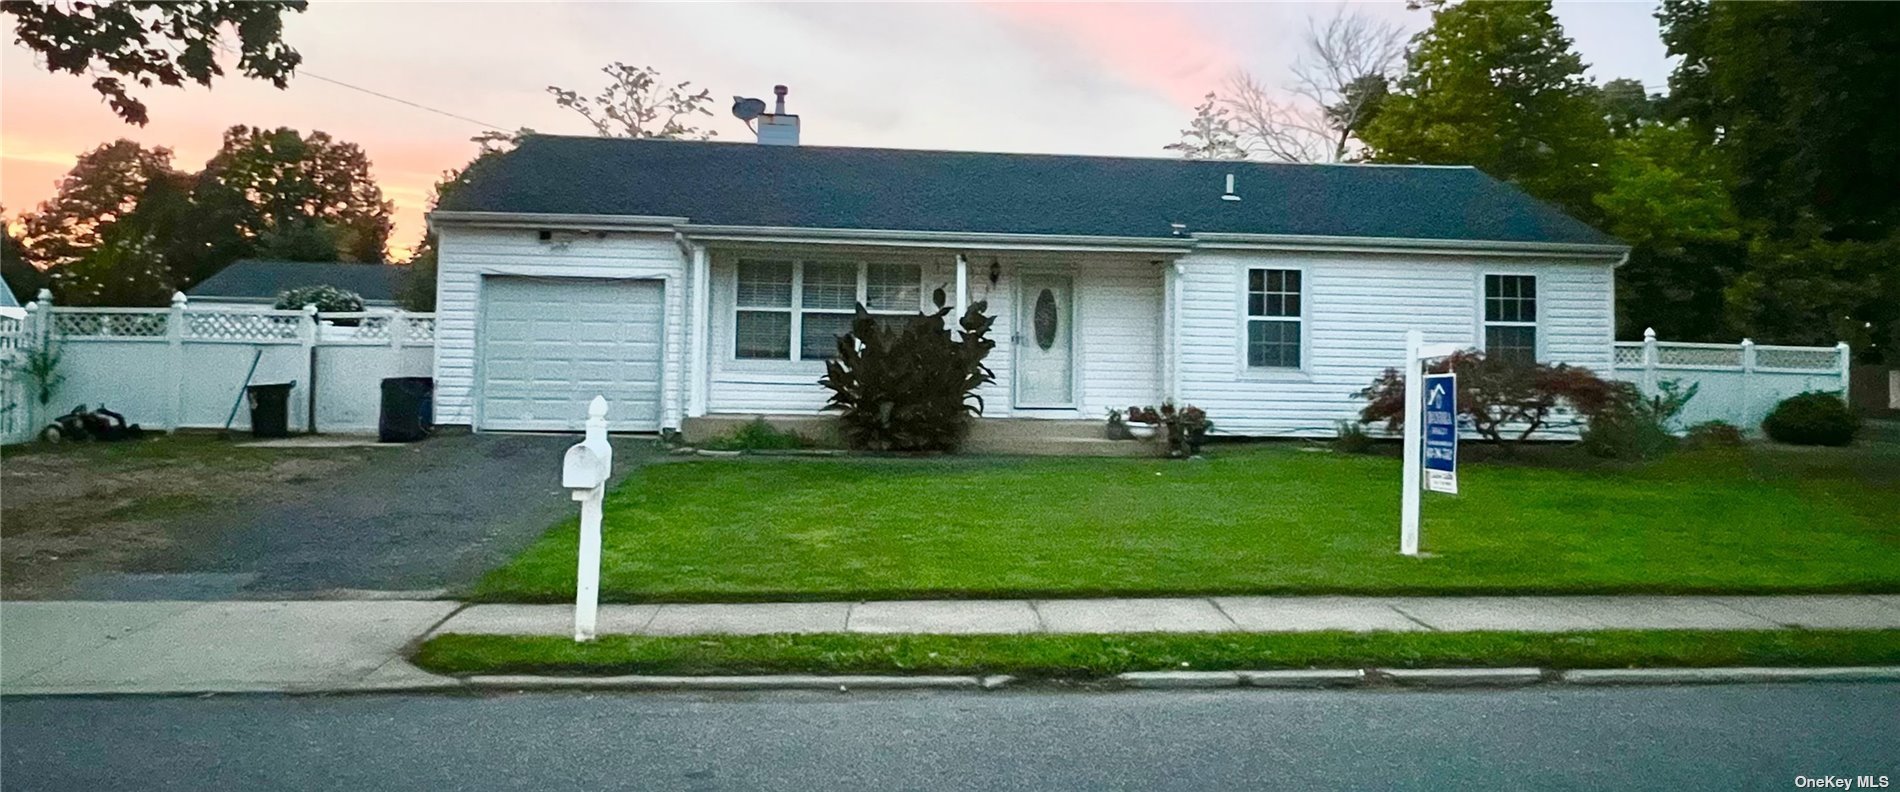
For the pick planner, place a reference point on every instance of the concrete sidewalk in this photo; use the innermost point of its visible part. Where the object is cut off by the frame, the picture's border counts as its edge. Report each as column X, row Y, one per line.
column 199, row 647
column 204, row 647
column 1203, row 614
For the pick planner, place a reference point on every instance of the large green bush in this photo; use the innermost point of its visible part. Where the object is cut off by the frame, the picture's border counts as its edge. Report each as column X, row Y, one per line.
column 328, row 299
column 903, row 383
column 1812, row 418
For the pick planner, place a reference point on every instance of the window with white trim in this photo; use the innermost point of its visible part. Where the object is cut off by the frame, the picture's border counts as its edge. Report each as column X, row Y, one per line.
column 795, row 310
column 1510, row 318
column 1273, row 318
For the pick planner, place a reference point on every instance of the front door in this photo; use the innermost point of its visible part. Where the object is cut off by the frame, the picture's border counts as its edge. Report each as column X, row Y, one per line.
column 1045, row 342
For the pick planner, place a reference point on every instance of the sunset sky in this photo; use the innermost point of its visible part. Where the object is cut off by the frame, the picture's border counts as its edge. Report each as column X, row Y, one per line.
column 1071, row 78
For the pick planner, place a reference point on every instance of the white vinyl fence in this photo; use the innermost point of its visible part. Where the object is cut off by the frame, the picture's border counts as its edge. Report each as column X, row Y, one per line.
column 1737, row 383
column 185, row 367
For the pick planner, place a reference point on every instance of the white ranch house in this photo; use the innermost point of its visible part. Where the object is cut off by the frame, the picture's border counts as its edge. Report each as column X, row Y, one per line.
column 690, row 280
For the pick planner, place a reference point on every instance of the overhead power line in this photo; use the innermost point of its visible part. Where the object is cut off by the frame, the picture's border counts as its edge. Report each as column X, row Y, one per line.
column 398, row 99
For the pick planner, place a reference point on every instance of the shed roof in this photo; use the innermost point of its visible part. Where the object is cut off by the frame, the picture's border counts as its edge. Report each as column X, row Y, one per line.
column 256, row 280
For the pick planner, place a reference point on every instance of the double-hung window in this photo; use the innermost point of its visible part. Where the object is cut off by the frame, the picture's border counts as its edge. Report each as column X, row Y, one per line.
column 795, row 310
column 1510, row 318
column 1273, row 319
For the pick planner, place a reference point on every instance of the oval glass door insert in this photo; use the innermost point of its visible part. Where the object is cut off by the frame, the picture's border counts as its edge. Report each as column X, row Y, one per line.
column 1046, row 319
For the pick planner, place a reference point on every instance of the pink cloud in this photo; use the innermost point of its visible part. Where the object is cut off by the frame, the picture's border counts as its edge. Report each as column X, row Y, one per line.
column 1156, row 48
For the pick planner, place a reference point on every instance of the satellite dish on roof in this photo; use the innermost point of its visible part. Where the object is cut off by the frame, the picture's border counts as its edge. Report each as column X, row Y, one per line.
column 747, row 109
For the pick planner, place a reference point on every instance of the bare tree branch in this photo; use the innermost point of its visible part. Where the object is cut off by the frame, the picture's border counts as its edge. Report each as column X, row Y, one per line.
column 634, row 104
column 1338, row 82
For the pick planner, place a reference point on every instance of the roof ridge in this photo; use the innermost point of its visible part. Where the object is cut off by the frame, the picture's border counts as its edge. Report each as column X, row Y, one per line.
column 982, row 152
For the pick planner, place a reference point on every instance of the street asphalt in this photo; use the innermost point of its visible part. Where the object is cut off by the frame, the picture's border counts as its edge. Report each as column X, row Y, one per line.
column 438, row 519
column 1674, row 738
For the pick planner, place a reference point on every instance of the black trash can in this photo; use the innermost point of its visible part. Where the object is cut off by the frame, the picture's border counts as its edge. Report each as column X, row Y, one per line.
column 270, row 409
column 408, row 409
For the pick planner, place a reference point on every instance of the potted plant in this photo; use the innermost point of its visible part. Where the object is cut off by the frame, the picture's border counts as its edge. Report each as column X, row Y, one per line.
column 1143, row 422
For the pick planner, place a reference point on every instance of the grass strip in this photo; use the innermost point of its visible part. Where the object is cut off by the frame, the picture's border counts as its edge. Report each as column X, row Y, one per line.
column 1096, row 656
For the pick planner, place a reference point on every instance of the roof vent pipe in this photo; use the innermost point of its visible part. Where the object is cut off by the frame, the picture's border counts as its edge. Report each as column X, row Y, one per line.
column 779, row 91
column 1229, row 195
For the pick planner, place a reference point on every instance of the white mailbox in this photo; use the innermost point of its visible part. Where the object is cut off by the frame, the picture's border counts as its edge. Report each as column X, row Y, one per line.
column 584, row 472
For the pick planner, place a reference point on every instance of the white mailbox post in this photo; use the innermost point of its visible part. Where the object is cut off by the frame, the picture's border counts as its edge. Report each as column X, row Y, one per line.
column 584, row 473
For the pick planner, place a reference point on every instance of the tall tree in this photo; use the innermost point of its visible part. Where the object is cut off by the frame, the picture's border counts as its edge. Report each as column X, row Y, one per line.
column 1498, row 86
column 1801, row 102
column 151, row 42
column 1666, row 195
column 286, row 179
column 637, row 104
column 103, row 187
column 1211, row 135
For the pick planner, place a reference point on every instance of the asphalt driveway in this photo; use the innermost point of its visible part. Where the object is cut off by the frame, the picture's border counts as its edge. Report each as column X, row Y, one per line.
column 417, row 519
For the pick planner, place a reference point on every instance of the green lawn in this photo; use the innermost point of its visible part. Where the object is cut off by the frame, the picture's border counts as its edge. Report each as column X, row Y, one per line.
column 1096, row 656
column 1250, row 519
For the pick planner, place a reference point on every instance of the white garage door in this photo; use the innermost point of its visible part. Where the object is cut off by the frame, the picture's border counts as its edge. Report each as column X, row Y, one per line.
column 549, row 345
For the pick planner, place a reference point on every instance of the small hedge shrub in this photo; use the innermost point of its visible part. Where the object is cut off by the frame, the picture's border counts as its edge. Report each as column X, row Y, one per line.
column 328, row 299
column 1812, row 418
column 757, row 435
column 1713, row 434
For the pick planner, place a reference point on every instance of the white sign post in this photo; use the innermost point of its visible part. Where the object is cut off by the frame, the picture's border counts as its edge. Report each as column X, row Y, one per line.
column 1416, row 353
column 584, row 473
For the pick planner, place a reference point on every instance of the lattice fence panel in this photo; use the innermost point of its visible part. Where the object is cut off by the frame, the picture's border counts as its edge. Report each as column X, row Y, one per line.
column 111, row 324
column 239, row 326
column 1629, row 354
column 1667, row 355
column 1801, row 359
column 421, row 328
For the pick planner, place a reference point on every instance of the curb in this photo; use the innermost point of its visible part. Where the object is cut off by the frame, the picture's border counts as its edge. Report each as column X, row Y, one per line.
column 1304, row 678
column 772, row 682
column 1718, row 676
column 1461, row 677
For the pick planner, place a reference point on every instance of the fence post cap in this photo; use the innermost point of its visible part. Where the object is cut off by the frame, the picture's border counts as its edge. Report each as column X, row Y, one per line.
column 178, row 299
column 45, row 297
column 310, row 308
column 1649, row 334
column 1747, row 342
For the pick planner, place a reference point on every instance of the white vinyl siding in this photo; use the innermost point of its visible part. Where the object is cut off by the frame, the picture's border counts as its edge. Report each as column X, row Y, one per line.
column 1117, row 323
column 1356, row 310
column 466, row 255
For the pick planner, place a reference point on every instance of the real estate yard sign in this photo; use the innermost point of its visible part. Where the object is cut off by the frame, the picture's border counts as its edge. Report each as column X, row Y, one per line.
column 1441, row 433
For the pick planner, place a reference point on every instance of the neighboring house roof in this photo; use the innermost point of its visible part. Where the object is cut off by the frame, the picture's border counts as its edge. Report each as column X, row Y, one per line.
column 7, row 300
column 743, row 184
column 252, row 280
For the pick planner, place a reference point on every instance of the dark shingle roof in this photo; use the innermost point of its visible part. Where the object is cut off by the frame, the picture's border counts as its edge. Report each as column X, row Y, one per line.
column 254, row 280
column 746, row 184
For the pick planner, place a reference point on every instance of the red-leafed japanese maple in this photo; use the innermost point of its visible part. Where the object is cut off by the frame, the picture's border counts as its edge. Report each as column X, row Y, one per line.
column 1502, row 400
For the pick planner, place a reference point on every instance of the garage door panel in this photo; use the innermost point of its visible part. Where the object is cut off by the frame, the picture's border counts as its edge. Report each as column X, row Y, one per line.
column 550, row 344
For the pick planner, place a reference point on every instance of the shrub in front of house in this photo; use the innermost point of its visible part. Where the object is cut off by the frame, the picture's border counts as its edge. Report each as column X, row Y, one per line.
column 907, row 383
column 757, row 435
column 1812, row 418
column 328, row 299
column 1500, row 400
column 1352, row 439
column 1634, row 426
column 1713, row 434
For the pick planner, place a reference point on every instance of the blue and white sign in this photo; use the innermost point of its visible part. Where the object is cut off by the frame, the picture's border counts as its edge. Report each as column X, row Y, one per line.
column 1441, row 433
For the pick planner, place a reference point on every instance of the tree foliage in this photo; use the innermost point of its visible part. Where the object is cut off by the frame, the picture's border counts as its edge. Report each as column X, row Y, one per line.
column 1211, row 135
column 104, row 185
column 22, row 278
column 1501, row 400
column 1665, row 194
column 637, row 104
column 149, row 42
column 285, row 178
column 1498, row 86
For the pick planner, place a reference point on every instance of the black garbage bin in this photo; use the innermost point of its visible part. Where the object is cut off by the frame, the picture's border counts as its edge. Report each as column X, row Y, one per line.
column 408, row 409
column 270, row 409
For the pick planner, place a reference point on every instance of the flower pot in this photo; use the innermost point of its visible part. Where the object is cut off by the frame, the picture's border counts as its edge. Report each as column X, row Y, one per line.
column 1142, row 431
